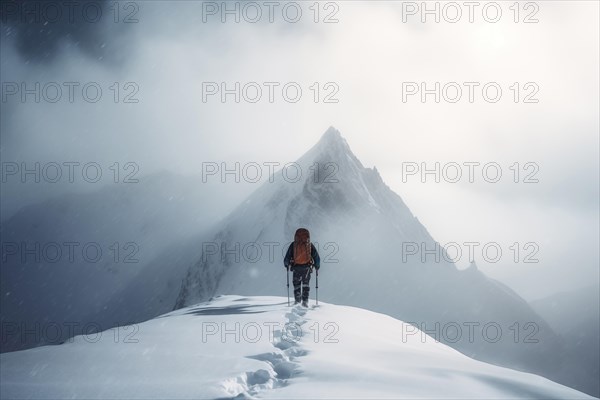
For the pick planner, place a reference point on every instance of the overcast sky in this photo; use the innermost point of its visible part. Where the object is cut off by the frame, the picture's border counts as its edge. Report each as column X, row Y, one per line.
column 367, row 56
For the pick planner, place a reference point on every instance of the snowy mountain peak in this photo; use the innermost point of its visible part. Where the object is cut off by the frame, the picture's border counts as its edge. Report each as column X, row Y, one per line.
column 333, row 148
column 341, row 189
column 339, row 200
column 332, row 136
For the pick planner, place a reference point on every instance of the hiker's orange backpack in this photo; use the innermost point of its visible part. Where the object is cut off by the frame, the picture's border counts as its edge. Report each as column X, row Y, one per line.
column 302, row 248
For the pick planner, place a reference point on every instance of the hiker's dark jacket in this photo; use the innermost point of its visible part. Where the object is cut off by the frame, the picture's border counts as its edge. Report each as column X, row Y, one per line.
column 289, row 256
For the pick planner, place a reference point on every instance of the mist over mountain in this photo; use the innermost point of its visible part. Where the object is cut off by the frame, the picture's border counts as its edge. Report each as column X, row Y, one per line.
column 575, row 316
column 76, row 252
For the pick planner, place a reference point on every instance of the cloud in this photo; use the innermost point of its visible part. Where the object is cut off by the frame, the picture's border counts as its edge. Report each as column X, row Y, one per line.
column 367, row 55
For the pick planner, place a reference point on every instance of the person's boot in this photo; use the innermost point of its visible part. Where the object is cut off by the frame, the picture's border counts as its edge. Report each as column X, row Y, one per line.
column 304, row 303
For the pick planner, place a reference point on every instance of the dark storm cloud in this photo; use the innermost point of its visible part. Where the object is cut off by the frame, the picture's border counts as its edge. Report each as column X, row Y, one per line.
column 39, row 28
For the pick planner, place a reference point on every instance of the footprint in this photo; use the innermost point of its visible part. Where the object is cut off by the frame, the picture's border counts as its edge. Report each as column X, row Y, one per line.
column 284, row 344
column 295, row 351
column 286, row 369
column 269, row 357
column 259, row 377
column 283, row 363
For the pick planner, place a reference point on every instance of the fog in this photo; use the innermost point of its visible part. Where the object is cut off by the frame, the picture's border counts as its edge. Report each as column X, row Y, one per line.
column 165, row 59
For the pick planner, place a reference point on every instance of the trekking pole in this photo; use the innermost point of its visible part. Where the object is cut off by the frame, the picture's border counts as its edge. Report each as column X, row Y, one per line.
column 288, row 283
column 317, row 286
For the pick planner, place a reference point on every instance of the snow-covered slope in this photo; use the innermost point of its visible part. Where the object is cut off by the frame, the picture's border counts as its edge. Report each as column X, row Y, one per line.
column 259, row 347
column 360, row 226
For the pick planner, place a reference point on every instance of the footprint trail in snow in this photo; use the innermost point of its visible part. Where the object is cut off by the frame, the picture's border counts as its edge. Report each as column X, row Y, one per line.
column 282, row 364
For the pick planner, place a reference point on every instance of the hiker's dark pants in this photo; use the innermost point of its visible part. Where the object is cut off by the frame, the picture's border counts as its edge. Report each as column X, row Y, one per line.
column 301, row 281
